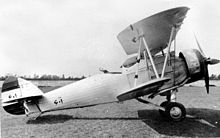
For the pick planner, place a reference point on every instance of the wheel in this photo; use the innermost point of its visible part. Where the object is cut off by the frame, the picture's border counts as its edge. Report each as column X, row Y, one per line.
column 175, row 111
column 163, row 104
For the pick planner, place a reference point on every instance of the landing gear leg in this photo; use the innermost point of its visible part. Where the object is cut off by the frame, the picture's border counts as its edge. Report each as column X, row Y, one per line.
column 172, row 96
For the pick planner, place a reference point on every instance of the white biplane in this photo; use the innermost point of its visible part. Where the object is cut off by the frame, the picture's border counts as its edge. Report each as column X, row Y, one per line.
column 148, row 73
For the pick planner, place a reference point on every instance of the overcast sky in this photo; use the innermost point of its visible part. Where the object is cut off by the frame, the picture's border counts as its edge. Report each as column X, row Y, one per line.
column 78, row 37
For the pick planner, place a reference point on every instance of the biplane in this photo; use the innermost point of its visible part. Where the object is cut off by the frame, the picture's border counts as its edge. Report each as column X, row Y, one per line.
column 151, row 69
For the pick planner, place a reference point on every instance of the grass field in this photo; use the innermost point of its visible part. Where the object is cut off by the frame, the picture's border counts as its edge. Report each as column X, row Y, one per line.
column 128, row 119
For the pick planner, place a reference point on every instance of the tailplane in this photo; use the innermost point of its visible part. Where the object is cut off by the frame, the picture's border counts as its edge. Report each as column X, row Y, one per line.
column 18, row 94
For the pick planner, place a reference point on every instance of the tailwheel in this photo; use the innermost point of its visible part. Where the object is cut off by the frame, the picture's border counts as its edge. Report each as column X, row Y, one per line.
column 175, row 111
column 163, row 104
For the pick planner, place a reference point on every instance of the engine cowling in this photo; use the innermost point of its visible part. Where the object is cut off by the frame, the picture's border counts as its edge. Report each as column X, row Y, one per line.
column 195, row 63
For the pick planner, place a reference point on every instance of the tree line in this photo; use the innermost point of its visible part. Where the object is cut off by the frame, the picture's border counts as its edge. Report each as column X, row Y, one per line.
column 214, row 77
column 45, row 77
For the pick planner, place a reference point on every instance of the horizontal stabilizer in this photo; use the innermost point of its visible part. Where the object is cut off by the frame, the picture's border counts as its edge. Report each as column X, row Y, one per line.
column 143, row 89
column 24, row 98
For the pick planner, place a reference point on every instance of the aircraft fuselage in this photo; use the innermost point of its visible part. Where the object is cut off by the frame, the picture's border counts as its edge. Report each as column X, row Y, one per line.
column 104, row 88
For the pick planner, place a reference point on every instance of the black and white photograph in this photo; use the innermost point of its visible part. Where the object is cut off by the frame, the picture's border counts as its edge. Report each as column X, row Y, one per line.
column 109, row 68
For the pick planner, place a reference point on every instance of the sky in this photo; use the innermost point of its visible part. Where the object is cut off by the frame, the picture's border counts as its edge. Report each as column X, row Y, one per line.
column 78, row 37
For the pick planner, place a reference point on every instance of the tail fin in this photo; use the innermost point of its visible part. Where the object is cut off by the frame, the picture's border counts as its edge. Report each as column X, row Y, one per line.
column 16, row 92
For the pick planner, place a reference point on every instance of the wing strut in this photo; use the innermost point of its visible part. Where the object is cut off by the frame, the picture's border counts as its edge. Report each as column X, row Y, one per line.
column 151, row 59
column 168, row 50
column 139, row 57
column 141, row 37
column 150, row 56
column 146, row 63
column 138, row 61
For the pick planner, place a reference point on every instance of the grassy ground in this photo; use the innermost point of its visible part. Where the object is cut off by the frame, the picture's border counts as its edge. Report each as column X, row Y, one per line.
column 129, row 119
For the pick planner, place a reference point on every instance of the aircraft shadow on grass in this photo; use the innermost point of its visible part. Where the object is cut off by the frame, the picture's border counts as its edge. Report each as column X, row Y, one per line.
column 61, row 118
column 50, row 119
column 206, row 122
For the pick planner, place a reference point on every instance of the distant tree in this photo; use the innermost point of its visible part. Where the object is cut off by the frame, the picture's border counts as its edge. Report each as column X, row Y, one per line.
column 213, row 77
column 218, row 77
column 36, row 76
column 55, row 77
column 63, row 77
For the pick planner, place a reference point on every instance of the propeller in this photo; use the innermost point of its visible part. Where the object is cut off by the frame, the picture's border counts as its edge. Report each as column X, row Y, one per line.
column 206, row 62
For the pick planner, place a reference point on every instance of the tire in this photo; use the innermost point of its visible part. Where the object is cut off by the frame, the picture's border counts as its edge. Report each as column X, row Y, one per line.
column 163, row 104
column 175, row 111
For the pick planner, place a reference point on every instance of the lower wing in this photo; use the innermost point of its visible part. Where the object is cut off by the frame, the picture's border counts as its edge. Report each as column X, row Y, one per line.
column 143, row 89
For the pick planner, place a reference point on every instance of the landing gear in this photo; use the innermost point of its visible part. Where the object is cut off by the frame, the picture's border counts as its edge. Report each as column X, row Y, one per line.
column 175, row 111
column 170, row 109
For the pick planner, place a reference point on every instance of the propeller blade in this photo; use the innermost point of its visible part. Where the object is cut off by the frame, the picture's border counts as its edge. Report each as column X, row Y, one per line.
column 206, row 75
column 206, row 72
column 199, row 46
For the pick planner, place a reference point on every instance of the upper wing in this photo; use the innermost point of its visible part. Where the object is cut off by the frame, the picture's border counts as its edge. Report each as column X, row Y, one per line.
column 143, row 89
column 156, row 30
